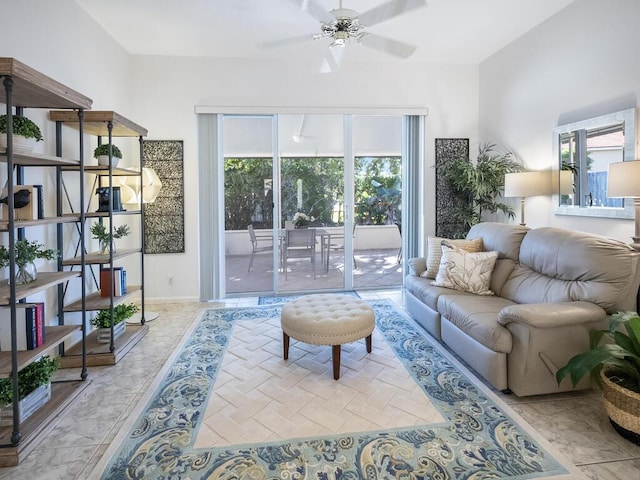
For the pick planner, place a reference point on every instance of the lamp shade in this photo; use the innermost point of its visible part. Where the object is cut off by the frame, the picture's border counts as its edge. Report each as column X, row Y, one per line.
column 150, row 182
column 524, row 184
column 623, row 179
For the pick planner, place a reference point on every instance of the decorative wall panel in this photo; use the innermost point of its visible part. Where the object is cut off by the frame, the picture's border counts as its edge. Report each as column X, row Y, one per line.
column 164, row 218
column 446, row 150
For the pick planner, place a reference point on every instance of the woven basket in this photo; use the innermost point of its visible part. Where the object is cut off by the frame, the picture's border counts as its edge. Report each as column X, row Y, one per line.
column 622, row 407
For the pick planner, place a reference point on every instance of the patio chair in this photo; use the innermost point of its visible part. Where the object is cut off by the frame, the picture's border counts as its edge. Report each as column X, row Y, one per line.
column 339, row 245
column 259, row 244
column 299, row 243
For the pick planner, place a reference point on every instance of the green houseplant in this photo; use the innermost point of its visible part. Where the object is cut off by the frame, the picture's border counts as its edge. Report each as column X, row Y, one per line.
column 102, row 154
column 478, row 186
column 26, row 252
column 21, row 126
column 25, row 133
column 613, row 360
column 120, row 314
column 100, row 232
column 30, row 379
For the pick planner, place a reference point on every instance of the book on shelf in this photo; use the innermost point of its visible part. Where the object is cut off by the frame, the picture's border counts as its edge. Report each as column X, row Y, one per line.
column 29, row 326
column 117, row 282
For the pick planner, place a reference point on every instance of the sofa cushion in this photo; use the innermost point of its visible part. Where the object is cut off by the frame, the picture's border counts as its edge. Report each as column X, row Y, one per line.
column 469, row 272
column 477, row 316
column 499, row 237
column 559, row 265
column 434, row 252
column 422, row 289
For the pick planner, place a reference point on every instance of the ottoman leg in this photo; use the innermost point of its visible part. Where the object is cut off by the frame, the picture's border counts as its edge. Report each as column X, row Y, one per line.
column 285, row 343
column 368, row 344
column 336, row 361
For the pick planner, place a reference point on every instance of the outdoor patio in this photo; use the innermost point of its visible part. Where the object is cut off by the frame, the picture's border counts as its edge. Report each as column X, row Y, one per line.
column 376, row 268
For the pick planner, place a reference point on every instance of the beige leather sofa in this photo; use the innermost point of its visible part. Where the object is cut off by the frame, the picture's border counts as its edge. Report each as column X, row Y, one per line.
column 551, row 287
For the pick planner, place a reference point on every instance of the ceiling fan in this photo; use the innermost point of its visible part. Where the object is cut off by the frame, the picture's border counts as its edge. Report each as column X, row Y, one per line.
column 342, row 25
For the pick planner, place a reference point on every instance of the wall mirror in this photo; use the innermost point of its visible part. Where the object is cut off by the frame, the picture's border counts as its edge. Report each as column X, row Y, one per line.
column 584, row 151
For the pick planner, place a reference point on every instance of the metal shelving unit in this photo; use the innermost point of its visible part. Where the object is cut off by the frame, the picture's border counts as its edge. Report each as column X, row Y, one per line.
column 106, row 125
column 25, row 87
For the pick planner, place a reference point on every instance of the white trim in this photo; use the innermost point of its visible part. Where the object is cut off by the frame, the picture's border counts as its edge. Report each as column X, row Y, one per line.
column 301, row 110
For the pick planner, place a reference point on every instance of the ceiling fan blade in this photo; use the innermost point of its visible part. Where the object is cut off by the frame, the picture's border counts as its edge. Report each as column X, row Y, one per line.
column 332, row 59
column 315, row 9
column 283, row 42
column 388, row 10
column 388, row 45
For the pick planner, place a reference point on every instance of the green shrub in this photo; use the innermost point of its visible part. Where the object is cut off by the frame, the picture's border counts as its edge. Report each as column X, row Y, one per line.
column 21, row 126
column 30, row 377
column 120, row 314
column 104, row 150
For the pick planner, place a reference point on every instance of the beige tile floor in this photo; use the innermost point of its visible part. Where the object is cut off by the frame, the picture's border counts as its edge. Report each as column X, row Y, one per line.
column 573, row 423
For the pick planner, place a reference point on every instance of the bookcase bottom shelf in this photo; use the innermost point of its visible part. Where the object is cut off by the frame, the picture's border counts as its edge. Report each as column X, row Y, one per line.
column 98, row 354
column 35, row 428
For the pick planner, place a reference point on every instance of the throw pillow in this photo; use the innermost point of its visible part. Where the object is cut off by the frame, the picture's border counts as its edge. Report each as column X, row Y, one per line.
column 434, row 252
column 469, row 272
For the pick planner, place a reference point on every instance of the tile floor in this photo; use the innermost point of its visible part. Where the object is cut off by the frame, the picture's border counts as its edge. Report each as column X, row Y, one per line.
column 574, row 423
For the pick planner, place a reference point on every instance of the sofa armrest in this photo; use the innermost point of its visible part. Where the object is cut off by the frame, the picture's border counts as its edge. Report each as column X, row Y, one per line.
column 551, row 315
column 417, row 265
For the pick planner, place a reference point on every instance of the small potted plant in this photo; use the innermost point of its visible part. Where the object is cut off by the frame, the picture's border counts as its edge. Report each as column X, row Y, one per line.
column 613, row 360
column 102, row 154
column 302, row 220
column 26, row 252
column 34, row 389
column 101, row 233
column 102, row 321
column 25, row 134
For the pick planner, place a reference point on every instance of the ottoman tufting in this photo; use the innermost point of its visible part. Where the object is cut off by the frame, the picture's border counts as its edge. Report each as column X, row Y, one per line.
column 327, row 320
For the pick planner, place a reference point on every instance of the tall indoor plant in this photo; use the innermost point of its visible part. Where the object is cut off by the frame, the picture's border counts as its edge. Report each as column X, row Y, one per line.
column 613, row 360
column 478, row 186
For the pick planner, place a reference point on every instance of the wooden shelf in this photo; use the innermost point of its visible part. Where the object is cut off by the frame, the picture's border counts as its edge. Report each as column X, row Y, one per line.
column 44, row 281
column 95, row 123
column 35, row 428
column 54, row 335
column 99, row 258
column 33, row 89
column 97, row 302
column 38, row 160
column 98, row 353
column 100, row 170
column 106, row 214
column 67, row 218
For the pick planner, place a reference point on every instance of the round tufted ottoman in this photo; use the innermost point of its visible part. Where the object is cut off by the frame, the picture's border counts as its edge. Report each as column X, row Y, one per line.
column 327, row 320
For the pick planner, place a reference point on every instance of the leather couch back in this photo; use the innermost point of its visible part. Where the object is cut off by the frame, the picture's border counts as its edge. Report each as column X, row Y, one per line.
column 557, row 265
column 502, row 238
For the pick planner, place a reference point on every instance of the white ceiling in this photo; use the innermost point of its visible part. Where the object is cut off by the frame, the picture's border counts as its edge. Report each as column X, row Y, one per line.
column 449, row 31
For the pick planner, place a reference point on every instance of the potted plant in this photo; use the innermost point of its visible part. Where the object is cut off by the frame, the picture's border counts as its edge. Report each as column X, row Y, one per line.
column 25, row 133
column 477, row 187
column 101, row 233
column 102, row 154
column 301, row 220
column 26, row 252
column 102, row 321
column 613, row 360
column 34, row 389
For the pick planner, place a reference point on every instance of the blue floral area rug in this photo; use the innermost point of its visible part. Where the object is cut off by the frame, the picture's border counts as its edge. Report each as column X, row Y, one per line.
column 479, row 438
column 277, row 299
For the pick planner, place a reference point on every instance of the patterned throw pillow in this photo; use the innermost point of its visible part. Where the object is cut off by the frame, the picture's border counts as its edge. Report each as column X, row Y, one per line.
column 434, row 252
column 469, row 272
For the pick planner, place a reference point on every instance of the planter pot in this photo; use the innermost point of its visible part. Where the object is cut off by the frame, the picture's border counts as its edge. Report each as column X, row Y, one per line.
column 104, row 334
column 27, row 406
column 20, row 144
column 26, row 273
column 622, row 407
column 103, row 160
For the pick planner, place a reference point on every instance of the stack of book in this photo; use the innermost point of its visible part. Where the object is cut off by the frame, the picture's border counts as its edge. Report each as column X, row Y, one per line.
column 117, row 282
column 29, row 326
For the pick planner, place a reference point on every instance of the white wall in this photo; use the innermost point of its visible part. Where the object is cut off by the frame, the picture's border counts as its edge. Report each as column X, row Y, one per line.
column 582, row 62
column 160, row 93
column 168, row 89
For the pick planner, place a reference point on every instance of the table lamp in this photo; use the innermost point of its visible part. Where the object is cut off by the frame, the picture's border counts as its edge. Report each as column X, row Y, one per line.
column 623, row 180
column 524, row 184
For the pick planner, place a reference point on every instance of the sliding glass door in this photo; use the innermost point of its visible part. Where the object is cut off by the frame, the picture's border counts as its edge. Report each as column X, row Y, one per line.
column 312, row 202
